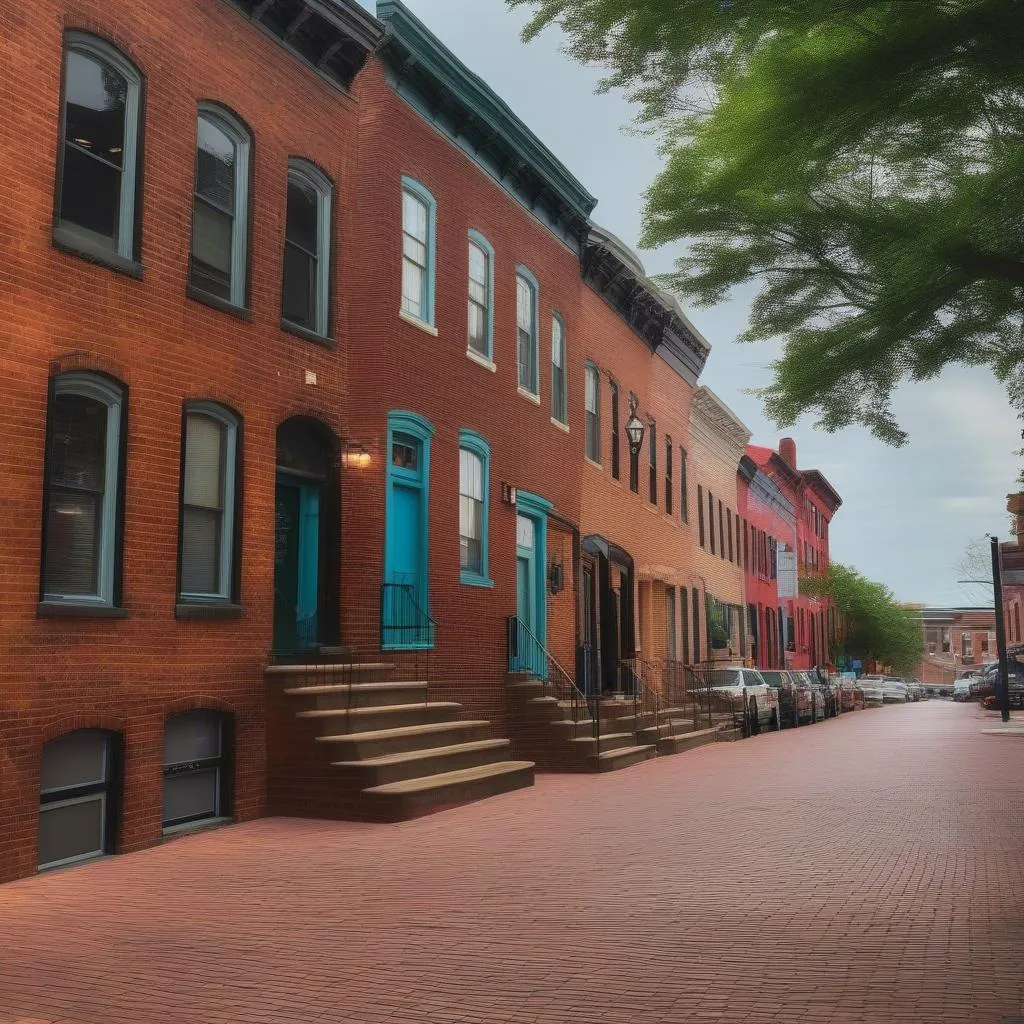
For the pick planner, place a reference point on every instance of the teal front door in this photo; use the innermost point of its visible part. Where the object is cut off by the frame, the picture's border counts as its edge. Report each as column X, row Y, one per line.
column 529, row 656
column 405, row 620
column 296, row 565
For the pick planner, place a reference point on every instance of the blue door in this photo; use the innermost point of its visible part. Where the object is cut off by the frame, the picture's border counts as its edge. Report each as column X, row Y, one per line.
column 405, row 621
column 529, row 655
column 296, row 565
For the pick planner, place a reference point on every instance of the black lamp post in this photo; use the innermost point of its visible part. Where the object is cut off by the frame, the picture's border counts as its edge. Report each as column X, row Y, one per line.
column 634, row 428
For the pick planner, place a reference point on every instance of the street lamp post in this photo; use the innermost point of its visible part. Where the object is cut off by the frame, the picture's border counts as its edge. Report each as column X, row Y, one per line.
column 997, row 586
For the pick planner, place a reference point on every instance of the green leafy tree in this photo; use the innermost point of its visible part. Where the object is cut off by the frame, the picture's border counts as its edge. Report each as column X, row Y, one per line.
column 875, row 626
column 861, row 160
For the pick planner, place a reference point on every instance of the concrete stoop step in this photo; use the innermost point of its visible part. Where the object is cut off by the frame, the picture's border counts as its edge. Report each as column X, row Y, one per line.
column 729, row 735
column 680, row 742
column 620, row 757
column 403, row 754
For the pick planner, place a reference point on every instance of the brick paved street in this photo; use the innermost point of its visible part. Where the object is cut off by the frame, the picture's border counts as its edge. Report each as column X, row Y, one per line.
column 866, row 869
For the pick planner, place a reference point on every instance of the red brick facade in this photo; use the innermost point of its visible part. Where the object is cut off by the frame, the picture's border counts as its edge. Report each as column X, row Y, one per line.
column 127, row 668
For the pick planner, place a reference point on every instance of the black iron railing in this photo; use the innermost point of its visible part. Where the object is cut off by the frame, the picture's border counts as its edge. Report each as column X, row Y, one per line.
column 703, row 691
column 527, row 655
column 404, row 623
column 639, row 681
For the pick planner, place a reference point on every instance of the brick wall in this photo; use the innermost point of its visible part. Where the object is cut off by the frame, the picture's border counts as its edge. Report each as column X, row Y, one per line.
column 128, row 674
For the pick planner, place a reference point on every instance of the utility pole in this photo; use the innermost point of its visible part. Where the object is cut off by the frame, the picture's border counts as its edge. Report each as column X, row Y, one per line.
column 997, row 586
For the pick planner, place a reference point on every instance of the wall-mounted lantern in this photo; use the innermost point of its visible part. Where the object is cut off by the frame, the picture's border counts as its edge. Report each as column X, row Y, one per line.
column 634, row 428
column 556, row 578
column 354, row 456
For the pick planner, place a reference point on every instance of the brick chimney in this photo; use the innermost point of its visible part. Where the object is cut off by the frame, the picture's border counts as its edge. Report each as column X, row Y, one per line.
column 787, row 449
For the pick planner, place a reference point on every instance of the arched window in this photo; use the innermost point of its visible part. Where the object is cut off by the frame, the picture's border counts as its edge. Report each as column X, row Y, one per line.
column 98, row 171
column 592, row 411
column 220, row 206
column 474, row 501
column 195, row 768
column 419, row 231
column 306, row 287
column 78, row 797
column 84, row 467
column 559, row 401
column 210, row 521
column 480, row 340
column 528, row 341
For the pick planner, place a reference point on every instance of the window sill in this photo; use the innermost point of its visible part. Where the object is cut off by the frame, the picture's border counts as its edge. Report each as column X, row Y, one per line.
column 590, row 462
column 475, row 357
column 471, row 579
column 564, row 427
column 417, row 322
column 69, row 241
column 202, row 825
column 216, row 302
column 306, row 334
column 207, row 610
column 528, row 395
column 71, row 610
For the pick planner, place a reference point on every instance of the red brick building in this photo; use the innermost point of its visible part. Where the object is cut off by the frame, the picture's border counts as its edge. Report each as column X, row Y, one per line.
column 1013, row 577
column 809, row 622
column 957, row 641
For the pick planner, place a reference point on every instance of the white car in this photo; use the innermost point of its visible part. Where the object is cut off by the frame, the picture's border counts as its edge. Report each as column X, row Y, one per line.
column 894, row 691
column 760, row 701
column 871, row 687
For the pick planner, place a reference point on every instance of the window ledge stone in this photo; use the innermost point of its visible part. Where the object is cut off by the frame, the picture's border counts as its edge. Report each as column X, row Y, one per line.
column 417, row 322
column 68, row 240
column 207, row 610
column 487, row 364
column 564, row 427
column 216, row 302
column 471, row 579
column 82, row 610
column 306, row 334
column 596, row 465
column 203, row 825
column 528, row 395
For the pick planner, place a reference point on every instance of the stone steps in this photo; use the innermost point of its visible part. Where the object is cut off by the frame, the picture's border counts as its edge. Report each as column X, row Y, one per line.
column 359, row 695
column 414, row 764
column 680, row 742
column 372, row 719
column 361, row 745
column 622, row 757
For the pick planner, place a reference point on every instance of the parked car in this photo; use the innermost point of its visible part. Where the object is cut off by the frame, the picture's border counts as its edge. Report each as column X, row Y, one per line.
column 816, row 692
column 871, row 687
column 794, row 700
column 988, row 684
column 894, row 691
column 850, row 697
column 760, row 701
column 962, row 690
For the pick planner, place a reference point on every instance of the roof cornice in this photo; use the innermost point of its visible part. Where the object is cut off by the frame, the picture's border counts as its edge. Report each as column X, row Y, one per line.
column 465, row 108
column 815, row 479
column 334, row 37
column 715, row 419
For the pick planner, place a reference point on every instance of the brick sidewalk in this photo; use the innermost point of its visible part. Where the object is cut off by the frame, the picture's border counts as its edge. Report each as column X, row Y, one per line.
column 866, row 869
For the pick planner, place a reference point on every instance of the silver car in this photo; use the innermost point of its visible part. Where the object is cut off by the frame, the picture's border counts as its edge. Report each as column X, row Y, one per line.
column 760, row 701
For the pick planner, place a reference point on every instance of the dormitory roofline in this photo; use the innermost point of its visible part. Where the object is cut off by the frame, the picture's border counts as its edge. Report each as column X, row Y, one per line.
column 616, row 273
column 334, row 37
column 465, row 108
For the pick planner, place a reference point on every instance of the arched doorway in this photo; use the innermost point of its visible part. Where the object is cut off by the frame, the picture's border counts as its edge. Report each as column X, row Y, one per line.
column 609, row 631
column 307, row 509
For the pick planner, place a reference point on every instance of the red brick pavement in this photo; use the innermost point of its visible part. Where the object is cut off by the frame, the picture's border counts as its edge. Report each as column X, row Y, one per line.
column 866, row 869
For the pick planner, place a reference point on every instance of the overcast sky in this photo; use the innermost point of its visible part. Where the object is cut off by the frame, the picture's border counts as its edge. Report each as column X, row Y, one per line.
column 907, row 513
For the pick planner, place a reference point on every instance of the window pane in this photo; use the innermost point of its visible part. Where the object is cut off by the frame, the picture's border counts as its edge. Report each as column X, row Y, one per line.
column 558, row 394
column 590, row 389
column 414, row 217
column 557, row 343
column 413, row 281
column 95, row 97
column 191, row 796
column 477, row 328
column 211, row 249
column 303, row 220
column 414, row 250
column 526, row 360
column 71, row 830
column 524, row 531
column 192, row 736
column 524, row 305
column 299, row 291
column 91, row 195
column 75, row 759
column 471, row 475
column 215, row 166
column 200, row 550
column 204, row 457
column 470, row 555
column 79, row 443
column 73, row 532
column 477, row 272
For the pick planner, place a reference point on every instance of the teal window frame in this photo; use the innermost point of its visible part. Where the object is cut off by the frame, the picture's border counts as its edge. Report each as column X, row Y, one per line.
column 420, row 429
column 560, row 396
column 471, row 441
column 527, row 276
column 99, row 51
column 108, row 550
column 420, row 192
column 231, row 125
column 309, row 174
column 229, row 548
column 477, row 239
column 537, row 508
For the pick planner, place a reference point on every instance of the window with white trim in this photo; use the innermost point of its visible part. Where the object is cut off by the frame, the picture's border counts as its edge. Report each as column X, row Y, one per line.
column 208, row 502
column 418, row 231
column 306, row 275
column 559, row 401
column 220, row 210
column 481, row 291
column 526, row 332
column 98, row 174
column 83, row 472
column 474, row 472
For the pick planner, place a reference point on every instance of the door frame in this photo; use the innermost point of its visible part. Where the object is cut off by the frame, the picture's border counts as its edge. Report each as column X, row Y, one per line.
column 420, row 429
column 534, row 507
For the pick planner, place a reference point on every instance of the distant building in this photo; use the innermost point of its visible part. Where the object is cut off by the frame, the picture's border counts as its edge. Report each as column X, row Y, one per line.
column 1013, row 577
column 957, row 641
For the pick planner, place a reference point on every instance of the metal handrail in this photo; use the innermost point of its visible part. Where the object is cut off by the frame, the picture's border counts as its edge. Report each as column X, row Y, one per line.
column 527, row 654
column 640, row 677
column 404, row 623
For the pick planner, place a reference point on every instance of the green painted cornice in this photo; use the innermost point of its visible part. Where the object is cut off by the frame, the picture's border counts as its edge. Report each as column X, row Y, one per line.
column 465, row 108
